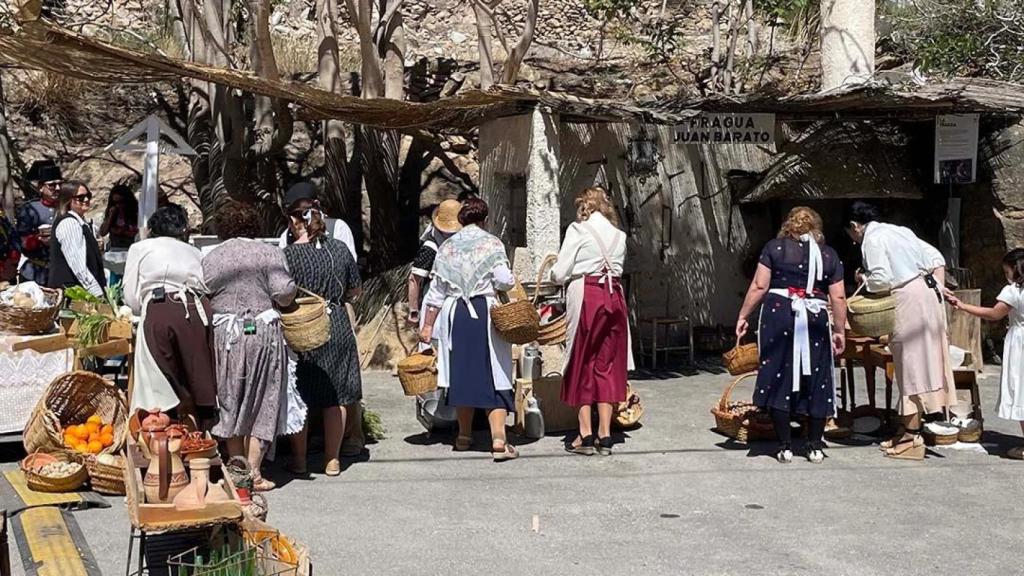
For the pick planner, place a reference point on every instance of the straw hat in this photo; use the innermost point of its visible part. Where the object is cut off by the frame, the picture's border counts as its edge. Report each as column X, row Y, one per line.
column 446, row 216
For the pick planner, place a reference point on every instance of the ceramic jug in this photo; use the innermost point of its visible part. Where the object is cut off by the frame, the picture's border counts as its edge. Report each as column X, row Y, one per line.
column 200, row 491
column 166, row 476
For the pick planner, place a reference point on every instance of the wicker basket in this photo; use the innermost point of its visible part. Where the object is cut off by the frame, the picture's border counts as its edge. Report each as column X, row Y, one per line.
column 105, row 478
column 33, row 462
column 418, row 373
column 971, row 433
column 871, row 315
column 934, row 438
column 741, row 359
column 308, row 327
column 554, row 332
column 516, row 320
column 741, row 420
column 71, row 399
column 30, row 321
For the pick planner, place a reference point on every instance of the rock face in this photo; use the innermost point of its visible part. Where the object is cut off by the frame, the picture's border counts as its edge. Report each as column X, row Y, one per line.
column 1008, row 184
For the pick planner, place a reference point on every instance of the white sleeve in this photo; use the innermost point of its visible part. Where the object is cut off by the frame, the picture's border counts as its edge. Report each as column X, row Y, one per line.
column 72, row 245
column 931, row 255
column 282, row 242
column 503, row 278
column 435, row 295
column 1011, row 296
column 130, row 284
column 344, row 234
column 876, row 266
column 562, row 270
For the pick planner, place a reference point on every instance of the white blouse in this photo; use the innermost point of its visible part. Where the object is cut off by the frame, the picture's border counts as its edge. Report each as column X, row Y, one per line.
column 580, row 254
column 894, row 255
column 161, row 263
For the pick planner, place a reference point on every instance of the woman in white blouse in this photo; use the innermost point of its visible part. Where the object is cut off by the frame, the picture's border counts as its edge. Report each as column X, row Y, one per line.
column 474, row 362
column 163, row 283
column 590, row 261
column 896, row 260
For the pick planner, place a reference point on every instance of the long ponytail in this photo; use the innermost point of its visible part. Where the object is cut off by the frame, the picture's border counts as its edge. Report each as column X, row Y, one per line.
column 1014, row 259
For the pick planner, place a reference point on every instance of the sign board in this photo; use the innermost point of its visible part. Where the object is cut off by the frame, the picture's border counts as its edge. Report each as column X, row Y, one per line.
column 956, row 148
column 739, row 128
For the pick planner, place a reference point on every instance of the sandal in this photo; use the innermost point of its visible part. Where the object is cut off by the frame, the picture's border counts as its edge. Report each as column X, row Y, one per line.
column 584, row 448
column 507, row 452
column 604, row 446
column 907, row 449
column 261, row 484
column 463, row 443
column 894, row 439
column 333, row 467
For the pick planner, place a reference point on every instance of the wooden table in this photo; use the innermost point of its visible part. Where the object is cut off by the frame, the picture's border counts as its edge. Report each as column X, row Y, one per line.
column 857, row 350
column 656, row 325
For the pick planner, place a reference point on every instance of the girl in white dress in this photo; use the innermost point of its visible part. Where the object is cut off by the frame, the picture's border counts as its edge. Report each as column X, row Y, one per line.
column 1010, row 302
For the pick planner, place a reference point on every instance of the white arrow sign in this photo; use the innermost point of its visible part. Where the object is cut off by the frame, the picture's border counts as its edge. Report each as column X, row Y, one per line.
column 152, row 127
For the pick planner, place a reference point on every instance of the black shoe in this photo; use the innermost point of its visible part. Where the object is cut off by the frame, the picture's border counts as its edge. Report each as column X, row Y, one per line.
column 604, row 446
column 586, row 447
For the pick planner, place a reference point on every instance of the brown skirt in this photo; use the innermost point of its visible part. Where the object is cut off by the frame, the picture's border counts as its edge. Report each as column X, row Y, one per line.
column 183, row 350
column 920, row 349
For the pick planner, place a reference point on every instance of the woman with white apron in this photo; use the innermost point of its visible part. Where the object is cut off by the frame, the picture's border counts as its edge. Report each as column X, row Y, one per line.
column 174, row 355
column 600, row 355
column 797, row 276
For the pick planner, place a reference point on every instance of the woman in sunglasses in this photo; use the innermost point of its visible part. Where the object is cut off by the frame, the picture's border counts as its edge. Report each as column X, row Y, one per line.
column 75, row 256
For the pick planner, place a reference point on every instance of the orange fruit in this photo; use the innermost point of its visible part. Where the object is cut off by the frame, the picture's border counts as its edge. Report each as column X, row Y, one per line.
column 95, row 418
column 93, row 427
column 107, row 440
column 95, row 447
column 82, row 432
column 94, row 437
column 107, row 429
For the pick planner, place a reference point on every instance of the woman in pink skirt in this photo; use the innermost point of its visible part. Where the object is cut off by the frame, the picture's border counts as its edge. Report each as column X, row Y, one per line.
column 600, row 354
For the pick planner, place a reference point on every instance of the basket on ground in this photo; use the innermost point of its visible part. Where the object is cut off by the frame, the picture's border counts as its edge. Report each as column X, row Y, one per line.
column 871, row 315
column 940, row 434
column 106, row 478
column 33, row 464
column 741, row 421
column 308, row 326
column 516, row 320
column 31, row 321
column 71, row 399
column 741, row 359
column 418, row 373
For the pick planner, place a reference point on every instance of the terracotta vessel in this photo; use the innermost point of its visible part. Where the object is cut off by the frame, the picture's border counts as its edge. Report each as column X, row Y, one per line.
column 200, row 492
column 161, row 442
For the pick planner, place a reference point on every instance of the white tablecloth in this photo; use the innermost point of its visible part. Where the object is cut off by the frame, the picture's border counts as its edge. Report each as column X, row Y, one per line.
column 23, row 378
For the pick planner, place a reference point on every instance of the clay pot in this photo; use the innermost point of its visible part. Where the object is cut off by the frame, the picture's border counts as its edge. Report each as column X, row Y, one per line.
column 166, row 476
column 199, row 492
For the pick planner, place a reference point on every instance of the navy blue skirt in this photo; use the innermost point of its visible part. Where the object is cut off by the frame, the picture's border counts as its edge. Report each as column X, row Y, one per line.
column 470, row 381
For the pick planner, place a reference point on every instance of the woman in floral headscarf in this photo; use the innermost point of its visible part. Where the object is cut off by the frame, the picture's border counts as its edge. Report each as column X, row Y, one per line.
column 474, row 362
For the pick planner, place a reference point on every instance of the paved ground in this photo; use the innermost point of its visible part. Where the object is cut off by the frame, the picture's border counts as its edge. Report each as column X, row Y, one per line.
column 674, row 499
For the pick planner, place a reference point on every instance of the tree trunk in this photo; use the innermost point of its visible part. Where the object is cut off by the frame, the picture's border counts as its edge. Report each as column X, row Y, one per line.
column 847, row 42
column 7, row 187
column 484, row 47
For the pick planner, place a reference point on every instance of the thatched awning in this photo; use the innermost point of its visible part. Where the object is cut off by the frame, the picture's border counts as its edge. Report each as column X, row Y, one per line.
column 43, row 46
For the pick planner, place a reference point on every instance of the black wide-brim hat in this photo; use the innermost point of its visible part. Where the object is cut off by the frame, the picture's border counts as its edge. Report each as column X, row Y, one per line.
column 299, row 191
column 44, row 171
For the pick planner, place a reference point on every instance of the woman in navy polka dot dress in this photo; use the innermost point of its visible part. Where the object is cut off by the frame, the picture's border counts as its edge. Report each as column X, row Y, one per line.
column 797, row 276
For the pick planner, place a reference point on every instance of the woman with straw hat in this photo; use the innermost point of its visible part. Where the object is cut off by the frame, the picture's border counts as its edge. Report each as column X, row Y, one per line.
column 431, row 408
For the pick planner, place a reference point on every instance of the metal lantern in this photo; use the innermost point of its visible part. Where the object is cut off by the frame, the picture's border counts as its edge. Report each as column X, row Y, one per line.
column 642, row 156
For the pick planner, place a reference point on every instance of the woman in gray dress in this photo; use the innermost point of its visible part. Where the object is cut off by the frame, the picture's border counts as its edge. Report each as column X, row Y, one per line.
column 247, row 280
column 328, row 377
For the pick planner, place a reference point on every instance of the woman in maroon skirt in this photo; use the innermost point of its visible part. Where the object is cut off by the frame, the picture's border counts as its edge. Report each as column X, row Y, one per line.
column 590, row 261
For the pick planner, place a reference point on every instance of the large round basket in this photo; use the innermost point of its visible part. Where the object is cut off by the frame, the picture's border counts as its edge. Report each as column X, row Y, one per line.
column 308, row 326
column 741, row 421
column 30, row 321
column 741, row 359
column 71, row 399
column 418, row 373
column 106, row 478
column 516, row 320
column 553, row 332
column 32, row 463
column 871, row 315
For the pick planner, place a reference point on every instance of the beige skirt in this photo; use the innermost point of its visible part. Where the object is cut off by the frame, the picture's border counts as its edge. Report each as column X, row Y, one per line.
column 920, row 349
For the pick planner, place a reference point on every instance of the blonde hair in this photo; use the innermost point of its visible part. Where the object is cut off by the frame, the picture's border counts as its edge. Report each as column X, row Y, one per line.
column 595, row 199
column 802, row 220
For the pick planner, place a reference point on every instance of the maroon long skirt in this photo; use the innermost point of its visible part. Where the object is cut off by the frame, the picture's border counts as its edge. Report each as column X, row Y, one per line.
column 600, row 351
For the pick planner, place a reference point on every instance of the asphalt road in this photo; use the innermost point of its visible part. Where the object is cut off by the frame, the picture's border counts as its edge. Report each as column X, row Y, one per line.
column 674, row 499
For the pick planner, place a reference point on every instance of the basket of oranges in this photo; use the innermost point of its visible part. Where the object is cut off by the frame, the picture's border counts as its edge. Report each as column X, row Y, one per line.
column 81, row 412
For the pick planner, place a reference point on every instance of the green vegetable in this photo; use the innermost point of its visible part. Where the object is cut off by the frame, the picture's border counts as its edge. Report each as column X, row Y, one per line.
column 79, row 294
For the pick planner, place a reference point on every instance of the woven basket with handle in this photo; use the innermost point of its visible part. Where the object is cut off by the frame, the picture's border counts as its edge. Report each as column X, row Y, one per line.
column 32, row 464
column 741, row 359
column 308, row 326
column 554, row 331
column 30, row 321
column 741, row 420
column 418, row 373
column 871, row 315
column 71, row 399
column 516, row 320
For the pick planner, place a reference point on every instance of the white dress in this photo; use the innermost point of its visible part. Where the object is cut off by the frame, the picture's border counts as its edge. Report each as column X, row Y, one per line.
column 1011, row 388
